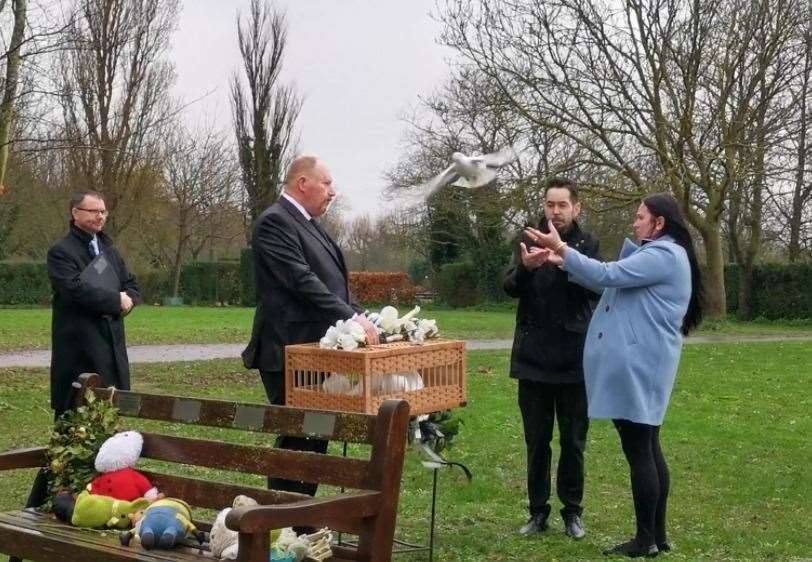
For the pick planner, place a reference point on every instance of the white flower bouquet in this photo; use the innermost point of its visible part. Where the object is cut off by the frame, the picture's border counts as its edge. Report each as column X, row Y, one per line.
column 391, row 327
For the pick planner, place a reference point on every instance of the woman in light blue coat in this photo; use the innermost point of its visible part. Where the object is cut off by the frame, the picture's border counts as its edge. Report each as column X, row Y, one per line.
column 651, row 298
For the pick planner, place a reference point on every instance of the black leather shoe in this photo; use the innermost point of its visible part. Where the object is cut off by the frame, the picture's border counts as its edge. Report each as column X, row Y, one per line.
column 536, row 524
column 632, row 549
column 661, row 546
column 573, row 527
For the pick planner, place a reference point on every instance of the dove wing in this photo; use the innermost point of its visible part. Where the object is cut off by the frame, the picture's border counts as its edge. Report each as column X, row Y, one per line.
column 500, row 158
column 447, row 176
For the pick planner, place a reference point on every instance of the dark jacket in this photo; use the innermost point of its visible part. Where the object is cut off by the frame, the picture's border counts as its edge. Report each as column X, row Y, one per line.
column 87, row 334
column 552, row 316
column 302, row 285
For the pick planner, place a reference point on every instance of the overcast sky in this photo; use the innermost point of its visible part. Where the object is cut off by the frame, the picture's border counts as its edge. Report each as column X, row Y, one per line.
column 360, row 65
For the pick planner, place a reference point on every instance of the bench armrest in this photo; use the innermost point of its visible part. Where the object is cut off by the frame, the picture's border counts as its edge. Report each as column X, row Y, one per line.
column 315, row 512
column 23, row 458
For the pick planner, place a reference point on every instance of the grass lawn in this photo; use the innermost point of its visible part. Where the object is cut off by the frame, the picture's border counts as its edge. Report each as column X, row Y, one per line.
column 29, row 328
column 736, row 437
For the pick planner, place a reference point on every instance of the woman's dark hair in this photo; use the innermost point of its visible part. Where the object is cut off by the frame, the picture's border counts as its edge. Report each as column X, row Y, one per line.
column 664, row 205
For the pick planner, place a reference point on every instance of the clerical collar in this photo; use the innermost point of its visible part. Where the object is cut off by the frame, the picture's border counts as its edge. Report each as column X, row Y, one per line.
column 298, row 205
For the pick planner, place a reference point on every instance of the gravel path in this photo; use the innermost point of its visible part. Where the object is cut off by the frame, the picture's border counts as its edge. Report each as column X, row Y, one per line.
column 200, row 352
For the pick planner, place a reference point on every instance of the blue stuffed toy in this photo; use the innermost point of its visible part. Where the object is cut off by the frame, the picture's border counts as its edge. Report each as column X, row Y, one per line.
column 164, row 524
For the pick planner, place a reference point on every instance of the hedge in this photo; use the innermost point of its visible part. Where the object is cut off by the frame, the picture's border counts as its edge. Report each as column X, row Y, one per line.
column 374, row 287
column 780, row 291
column 211, row 283
column 457, row 284
column 24, row 283
column 201, row 283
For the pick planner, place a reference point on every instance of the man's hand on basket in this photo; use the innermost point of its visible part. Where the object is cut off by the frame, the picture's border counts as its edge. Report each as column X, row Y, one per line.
column 369, row 329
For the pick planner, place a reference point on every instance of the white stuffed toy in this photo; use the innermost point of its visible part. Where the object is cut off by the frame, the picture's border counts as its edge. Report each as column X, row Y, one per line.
column 224, row 542
column 117, row 477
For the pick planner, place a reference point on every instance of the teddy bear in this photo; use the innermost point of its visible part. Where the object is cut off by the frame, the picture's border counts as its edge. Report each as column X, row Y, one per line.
column 163, row 524
column 96, row 512
column 117, row 477
column 223, row 542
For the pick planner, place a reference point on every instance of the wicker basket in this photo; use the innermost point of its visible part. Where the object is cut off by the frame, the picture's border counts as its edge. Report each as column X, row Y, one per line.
column 440, row 364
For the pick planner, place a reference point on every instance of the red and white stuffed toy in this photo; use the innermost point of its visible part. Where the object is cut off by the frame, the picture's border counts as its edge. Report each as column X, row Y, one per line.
column 117, row 477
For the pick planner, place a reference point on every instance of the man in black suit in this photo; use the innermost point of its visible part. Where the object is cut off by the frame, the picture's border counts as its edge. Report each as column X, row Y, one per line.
column 302, row 287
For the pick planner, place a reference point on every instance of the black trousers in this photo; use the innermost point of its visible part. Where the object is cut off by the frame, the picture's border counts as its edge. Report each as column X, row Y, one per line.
column 274, row 383
column 649, row 477
column 541, row 404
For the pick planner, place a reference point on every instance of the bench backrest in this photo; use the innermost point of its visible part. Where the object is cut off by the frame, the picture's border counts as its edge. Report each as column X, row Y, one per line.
column 386, row 432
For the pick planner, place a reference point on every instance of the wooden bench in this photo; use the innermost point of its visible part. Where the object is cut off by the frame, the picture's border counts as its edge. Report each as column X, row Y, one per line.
column 368, row 510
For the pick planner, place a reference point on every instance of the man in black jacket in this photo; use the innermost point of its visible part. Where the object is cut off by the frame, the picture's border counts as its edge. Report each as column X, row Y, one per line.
column 302, row 287
column 551, row 322
column 88, row 321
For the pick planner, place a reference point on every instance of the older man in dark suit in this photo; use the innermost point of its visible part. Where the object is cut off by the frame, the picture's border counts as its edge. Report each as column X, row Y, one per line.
column 302, row 287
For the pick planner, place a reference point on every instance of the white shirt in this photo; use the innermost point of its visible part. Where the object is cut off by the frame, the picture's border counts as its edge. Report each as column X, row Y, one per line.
column 297, row 205
column 95, row 242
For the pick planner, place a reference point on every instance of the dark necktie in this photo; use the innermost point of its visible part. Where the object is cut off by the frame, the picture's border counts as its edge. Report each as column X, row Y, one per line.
column 321, row 231
column 92, row 249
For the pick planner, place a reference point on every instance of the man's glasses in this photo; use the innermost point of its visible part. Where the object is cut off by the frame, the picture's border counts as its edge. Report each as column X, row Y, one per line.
column 99, row 212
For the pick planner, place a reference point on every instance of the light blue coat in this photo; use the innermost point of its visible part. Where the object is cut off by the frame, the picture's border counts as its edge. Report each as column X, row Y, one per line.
column 634, row 341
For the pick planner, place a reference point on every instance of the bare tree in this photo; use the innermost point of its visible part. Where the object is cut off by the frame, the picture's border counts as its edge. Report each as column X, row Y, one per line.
column 361, row 235
column 13, row 57
column 264, row 110
column 115, row 97
column 200, row 180
column 642, row 82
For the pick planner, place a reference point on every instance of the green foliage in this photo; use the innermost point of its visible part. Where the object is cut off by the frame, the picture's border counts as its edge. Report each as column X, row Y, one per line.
column 780, row 291
column 211, row 282
column 76, row 439
column 457, row 284
column 24, row 283
column 154, row 285
column 418, row 270
column 491, row 262
column 9, row 213
column 248, row 294
column 448, row 226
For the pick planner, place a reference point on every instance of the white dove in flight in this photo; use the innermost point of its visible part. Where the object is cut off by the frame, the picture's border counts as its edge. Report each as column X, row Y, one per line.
column 471, row 171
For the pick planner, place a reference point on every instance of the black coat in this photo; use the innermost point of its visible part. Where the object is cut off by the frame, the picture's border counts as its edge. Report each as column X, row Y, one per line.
column 552, row 316
column 302, row 285
column 87, row 334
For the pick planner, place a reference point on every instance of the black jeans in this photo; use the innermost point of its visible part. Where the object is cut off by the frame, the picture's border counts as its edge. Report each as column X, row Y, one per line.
column 540, row 404
column 274, row 383
column 650, row 479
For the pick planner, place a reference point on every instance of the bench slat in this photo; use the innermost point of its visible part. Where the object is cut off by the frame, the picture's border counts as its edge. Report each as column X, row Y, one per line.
column 281, row 463
column 338, row 426
column 35, row 536
column 215, row 495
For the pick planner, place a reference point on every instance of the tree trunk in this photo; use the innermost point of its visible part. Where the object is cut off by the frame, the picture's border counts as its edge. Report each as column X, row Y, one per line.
column 799, row 193
column 744, row 310
column 178, row 265
column 715, row 300
column 19, row 8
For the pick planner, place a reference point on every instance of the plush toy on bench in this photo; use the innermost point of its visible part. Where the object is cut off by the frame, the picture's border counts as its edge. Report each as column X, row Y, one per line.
column 163, row 525
column 96, row 512
column 115, row 464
